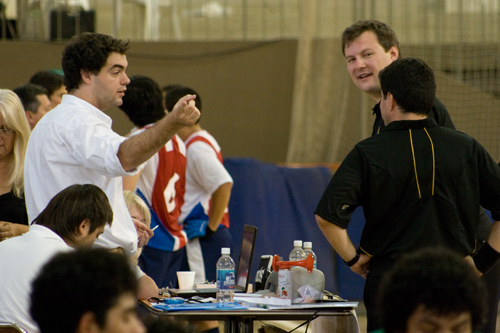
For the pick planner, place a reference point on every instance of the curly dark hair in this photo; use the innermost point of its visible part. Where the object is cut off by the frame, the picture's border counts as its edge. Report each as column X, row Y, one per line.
column 89, row 52
column 437, row 278
column 387, row 38
column 76, row 282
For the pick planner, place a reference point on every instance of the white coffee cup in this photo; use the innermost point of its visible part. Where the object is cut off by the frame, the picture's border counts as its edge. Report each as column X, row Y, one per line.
column 186, row 279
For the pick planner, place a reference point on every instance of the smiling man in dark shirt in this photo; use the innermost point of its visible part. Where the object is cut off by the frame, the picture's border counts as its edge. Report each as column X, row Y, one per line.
column 368, row 47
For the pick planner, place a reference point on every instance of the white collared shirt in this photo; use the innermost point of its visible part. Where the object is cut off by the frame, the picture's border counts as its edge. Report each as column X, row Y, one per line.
column 22, row 257
column 74, row 144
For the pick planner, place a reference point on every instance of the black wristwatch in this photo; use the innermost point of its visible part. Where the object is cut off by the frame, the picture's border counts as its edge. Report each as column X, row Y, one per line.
column 353, row 260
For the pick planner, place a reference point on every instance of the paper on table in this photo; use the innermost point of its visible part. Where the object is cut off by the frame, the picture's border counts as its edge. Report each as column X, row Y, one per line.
column 255, row 301
column 248, row 295
column 316, row 305
column 205, row 285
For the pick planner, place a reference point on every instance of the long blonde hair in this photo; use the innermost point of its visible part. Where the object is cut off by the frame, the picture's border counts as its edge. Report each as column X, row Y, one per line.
column 14, row 118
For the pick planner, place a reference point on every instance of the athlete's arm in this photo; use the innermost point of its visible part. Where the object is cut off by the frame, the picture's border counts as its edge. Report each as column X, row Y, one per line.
column 220, row 201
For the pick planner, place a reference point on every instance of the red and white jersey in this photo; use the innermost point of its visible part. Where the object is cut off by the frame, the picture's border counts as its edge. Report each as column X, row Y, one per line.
column 162, row 185
column 205, row 173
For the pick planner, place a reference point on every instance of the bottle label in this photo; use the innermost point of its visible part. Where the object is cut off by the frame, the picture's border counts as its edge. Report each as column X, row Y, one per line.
column 285, row 284
column 225, row 278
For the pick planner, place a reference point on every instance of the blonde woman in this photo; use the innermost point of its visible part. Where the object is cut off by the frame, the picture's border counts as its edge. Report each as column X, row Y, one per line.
column 14, row 135
column 139, row 211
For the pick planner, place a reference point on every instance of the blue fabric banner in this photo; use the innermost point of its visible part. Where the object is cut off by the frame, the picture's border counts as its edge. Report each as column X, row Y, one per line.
column 280, row 202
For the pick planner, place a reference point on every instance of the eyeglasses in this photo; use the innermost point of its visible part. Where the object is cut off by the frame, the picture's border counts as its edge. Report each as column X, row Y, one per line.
column 5, row 131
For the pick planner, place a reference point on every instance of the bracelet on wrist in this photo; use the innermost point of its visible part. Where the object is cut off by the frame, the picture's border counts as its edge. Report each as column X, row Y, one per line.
column 353, row 260
column 485, row 258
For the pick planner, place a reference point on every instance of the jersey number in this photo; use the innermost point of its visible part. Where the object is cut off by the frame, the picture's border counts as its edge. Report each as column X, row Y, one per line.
column 170, row 193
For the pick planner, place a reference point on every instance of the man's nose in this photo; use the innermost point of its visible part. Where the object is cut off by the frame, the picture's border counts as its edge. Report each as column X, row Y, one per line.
column 126, row 80
column 359, row 63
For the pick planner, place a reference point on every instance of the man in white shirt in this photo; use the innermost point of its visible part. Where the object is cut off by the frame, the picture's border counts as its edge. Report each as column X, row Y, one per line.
column 73, row 218
column 74, row 143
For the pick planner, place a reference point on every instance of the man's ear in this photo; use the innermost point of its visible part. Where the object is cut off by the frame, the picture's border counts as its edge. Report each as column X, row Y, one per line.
column 86, row 76
column 30, row 117
column 392, row 102
column 84, row 227
column 88, row 324
column 394, row 53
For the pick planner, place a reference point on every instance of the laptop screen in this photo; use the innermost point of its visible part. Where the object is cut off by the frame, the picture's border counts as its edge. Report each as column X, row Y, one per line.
column 246, row 255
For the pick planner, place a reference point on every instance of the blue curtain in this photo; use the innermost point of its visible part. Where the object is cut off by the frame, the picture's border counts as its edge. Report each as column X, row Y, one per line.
column 280, row 201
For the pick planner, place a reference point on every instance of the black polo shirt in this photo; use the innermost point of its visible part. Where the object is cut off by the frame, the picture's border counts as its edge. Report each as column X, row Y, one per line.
column 419, row 185
column 438, row 112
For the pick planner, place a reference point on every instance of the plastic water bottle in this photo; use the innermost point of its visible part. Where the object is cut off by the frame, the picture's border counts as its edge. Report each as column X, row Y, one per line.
column 297, row 252
column 308, row 250
column 225, row 277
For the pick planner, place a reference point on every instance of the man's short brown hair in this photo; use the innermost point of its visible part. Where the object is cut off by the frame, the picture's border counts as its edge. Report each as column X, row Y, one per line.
column 386, row 36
